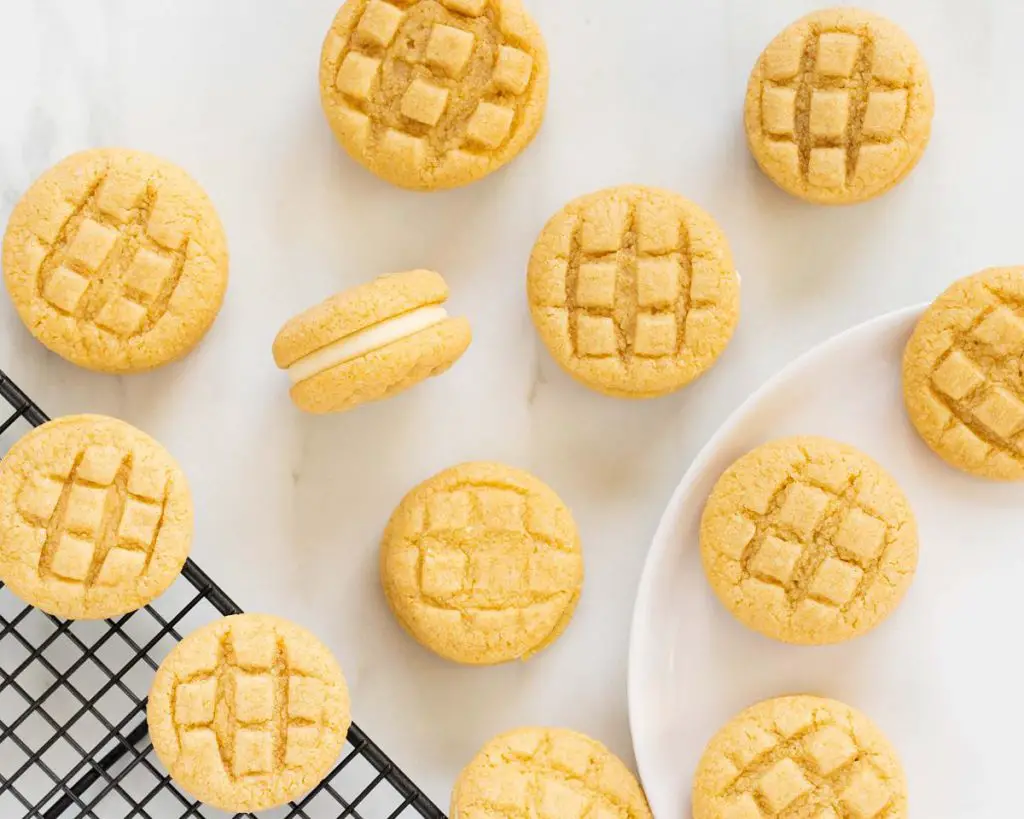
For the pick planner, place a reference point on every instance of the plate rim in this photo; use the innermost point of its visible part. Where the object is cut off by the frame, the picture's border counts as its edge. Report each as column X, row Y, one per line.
column 657, row 549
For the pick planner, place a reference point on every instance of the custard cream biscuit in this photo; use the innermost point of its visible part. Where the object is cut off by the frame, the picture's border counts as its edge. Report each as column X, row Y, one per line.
column 800, row 756
column 433, row 94
column 482, row 564
column 95, row 518
column 116, row 260
column 839, row 107
column 808, row 541
column 547, row 772
column 370, row 342
column 248, row 712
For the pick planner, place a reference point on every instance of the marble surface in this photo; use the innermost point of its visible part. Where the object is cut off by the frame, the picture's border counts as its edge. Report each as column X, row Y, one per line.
column 290, row 508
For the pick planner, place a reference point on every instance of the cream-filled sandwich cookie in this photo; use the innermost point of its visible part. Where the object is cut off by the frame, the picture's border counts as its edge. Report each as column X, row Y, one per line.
column 370, row 342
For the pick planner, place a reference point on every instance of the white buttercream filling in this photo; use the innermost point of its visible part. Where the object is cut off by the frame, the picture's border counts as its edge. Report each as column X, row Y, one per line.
column 365, row 341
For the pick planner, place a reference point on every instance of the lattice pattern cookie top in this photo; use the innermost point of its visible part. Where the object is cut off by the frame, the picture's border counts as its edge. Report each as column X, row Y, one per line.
column 808, row 541
column 963, row 374
column 801, row 758
column 550, row 773
column 482, row 564
column 248, row 712
column 633, row 290
column 116, row 260
column 432, row 94
column 95, row 518
column 839, row 107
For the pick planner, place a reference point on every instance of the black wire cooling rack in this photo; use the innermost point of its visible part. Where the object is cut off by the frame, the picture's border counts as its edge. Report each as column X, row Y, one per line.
column 73, row 738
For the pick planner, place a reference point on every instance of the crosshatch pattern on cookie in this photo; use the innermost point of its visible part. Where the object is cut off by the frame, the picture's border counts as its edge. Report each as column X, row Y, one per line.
column 253, row 713
column 113, row 258
column 835, row 108
column 783, row 768
column 630, row 283
column 458, row 572
column 544, row 773
column 977, row 382
column 98, row 521
column 814, row 547
column 423, row 79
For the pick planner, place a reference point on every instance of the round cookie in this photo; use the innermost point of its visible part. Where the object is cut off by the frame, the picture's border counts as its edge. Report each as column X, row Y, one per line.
column 808, row 541
column 116, row 260
column 432, row 94
column 95, row 518
column 633, row 291
column 800, row 756
column 482, row 564
column 839, row 107
column 963, row 374
column 248, row 712
column 547, row 772
column 370, row 342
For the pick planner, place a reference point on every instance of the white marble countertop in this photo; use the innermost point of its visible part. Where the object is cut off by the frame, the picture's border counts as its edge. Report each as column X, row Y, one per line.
column 290, row 508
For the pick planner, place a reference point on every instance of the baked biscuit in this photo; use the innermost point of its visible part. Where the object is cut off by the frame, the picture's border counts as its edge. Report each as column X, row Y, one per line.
column 633, row 291
column 482, row 564
column 802, row 757
column 95, row 518
column 839, row 107
column 371, row 342
column 432, row 94
column 248, row 712
column 809, row 541
column 963, row 374
column 547, row 772
column 116, row 260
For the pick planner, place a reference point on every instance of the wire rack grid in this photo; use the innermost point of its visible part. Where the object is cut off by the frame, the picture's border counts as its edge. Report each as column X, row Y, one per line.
column 73, row 737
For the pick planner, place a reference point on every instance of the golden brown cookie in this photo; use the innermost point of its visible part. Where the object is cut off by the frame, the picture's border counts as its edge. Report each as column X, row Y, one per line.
column 95, row 518
column 839, row 107
column 802, row 757
column 371, row 342
column 633, row 291
column 432, row 94
column 248, row 712
column 116, row 260
column 482, row 564
column 809, row 541
column 547, row 772
column 963, row 374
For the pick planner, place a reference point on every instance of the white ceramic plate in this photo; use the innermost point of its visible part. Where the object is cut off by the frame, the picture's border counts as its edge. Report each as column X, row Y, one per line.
column 943, row 676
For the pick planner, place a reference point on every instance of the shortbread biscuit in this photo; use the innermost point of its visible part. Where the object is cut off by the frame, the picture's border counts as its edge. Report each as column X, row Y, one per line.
column 808, row 541
column 800, row 757
column 95, row 518
column 116, row 260
column 547, row 772
column 248, row 712
column 482, row 564
column 432, row 94
column 963, row 374
column 633, row 291
column 839, row 107
column 370, row 342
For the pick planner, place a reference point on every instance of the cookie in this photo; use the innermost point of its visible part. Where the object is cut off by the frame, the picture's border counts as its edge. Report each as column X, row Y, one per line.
column 248, row 712
column 839, row 107
column 116, row 260
column 370, row 342
column 963, row 374
column 482, row 564
column 808, row 541
column 800, row 756
column 433, row 94
column 95, row 518
column 547, row 772
column 633, row 291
